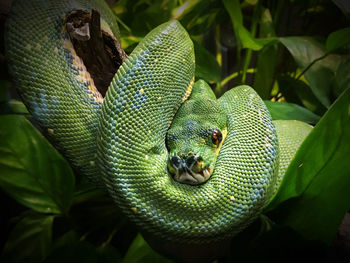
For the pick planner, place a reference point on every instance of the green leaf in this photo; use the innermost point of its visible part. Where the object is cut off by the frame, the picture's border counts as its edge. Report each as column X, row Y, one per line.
column 183, row 9
column 17, row 107
column 342, row 76
column 314, row 194
column 69, row 248
column 264, row 76
column 30, row 240
column 32, row 171
column 290, row 111
column 344, row 6
column 338, row 39
column 95, row 212
column 8, row 105
column 207, row 67
column 198, row 17
column 247, row 40
column 298, row 92
column 305, row 51
column 141, row 252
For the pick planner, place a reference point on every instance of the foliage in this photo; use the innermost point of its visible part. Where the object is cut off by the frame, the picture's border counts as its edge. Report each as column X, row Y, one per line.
column 297, row 62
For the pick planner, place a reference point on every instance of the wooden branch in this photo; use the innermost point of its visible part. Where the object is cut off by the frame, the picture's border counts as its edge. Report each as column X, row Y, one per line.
column 101, row 53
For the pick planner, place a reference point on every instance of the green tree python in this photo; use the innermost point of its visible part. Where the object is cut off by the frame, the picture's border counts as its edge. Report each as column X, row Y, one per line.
column 183, row 167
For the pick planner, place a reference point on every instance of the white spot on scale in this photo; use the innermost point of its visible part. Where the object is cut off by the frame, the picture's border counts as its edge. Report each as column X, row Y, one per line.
column 28, row 47
column 232, row 198
column 50, row 131
column 56, row 50
column 146, row 157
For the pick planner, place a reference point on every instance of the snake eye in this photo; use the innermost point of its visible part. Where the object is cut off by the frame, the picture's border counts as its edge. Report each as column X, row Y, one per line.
column 216, row 137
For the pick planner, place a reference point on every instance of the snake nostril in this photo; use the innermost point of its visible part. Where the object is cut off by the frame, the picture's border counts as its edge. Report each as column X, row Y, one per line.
column 190, row 160
column 175, row 161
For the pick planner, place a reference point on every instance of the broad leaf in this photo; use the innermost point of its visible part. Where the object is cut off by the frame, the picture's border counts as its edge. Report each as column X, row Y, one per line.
column 69, row 248
column 255, row 243
column 306, row 50
column 183, row 9
column 290, row 111
column 198, row 17
column 344, row 6
column 94, row 212
column 298, row 92
column 342, row 76
column 207, row 67
column 314, row 194
column 141, row 252
column 32, row 171
column 17, row 107
column 264, row 76
column 338, row 39
column 247, row 40
column 30, row 240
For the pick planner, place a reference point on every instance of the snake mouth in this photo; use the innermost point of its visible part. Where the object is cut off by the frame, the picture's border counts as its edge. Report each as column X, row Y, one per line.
column 193, row 178
column 189, row 169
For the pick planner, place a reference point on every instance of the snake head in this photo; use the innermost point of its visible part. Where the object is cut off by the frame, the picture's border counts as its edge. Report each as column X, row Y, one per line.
column 195, row 137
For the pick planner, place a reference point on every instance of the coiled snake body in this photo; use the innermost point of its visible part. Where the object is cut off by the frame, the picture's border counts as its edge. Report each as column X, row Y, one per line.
column 232, row 140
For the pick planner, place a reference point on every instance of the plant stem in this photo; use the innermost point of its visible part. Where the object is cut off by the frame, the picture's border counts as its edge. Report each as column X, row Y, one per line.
column 257, row 9
column 234, row 75
column 311, row 64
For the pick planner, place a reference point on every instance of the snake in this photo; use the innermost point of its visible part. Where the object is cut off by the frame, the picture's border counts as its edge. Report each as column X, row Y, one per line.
column 181, row 164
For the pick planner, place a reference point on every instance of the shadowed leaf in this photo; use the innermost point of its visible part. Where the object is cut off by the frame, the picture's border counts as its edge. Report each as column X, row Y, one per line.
column 338, row 39
column 290, row 111
column 140, row 251
column 314, row 194
column 306, row 50
column 207, row 67
column 32, row 171
column 30, row 240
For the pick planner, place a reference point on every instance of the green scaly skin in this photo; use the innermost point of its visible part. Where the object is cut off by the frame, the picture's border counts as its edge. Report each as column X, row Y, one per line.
column 132, row 121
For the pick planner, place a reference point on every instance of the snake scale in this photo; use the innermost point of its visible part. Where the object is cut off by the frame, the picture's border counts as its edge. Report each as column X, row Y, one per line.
column 184, row 168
